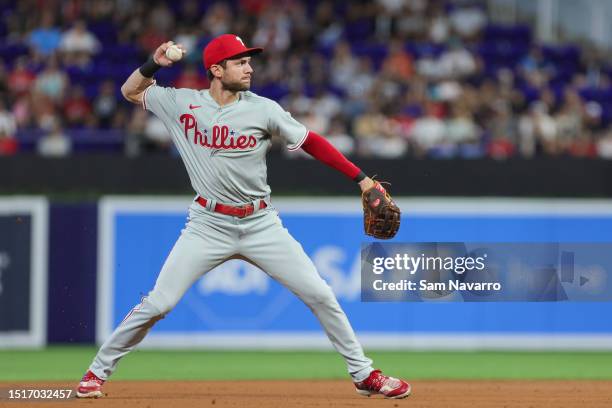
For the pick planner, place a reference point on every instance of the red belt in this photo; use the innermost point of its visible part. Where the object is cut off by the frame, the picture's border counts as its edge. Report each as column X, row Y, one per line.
column 240, row 212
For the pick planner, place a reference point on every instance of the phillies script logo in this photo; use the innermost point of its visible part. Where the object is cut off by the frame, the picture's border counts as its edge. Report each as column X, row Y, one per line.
column 221, row 137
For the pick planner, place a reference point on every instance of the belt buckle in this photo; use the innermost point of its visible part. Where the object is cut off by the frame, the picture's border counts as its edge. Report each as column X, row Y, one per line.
column 248, row 210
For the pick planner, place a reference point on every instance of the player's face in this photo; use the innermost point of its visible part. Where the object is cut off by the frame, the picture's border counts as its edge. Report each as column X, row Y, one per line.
column 237, row 74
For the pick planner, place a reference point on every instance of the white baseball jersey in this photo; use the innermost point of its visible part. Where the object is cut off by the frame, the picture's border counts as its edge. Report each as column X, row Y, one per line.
column 224, row 147
column 224, row 151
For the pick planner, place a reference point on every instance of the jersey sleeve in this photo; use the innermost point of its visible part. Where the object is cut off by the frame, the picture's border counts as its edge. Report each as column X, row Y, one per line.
column 161, row 101
column 281, row 123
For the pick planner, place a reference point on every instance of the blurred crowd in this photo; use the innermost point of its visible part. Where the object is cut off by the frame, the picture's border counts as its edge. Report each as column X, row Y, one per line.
column 382, row 78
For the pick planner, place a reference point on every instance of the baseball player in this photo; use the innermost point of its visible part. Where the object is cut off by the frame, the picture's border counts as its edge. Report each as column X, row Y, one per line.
column 223, row 134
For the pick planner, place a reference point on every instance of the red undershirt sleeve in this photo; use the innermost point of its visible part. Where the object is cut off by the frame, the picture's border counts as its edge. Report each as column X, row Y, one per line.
column 319, row 148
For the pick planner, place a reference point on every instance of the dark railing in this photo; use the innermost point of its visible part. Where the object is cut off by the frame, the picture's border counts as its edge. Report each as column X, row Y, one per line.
column 97, row 174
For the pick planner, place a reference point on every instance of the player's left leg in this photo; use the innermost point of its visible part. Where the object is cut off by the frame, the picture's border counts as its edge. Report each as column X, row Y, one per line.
column 270, row 246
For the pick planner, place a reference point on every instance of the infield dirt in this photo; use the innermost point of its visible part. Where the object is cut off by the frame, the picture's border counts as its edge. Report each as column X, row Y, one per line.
column 288, row 394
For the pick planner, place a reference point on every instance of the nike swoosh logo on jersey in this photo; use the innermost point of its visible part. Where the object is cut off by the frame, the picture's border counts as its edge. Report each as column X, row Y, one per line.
column 194, row 106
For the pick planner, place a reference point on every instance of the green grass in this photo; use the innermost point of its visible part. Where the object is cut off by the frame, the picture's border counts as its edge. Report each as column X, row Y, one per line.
column 68, row 363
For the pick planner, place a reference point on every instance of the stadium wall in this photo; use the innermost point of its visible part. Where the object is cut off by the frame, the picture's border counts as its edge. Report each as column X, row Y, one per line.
column 103, row 256
column 95, row 175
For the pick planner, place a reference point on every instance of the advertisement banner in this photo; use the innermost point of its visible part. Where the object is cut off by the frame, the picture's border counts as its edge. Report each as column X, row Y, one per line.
column 236, row 305
column 15, row 249
column 23, row 275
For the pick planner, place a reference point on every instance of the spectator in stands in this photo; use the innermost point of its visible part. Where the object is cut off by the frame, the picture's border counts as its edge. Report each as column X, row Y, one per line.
column 344, row 66
column 583, row 146
column 303, row 108
column 457, row 62
column 535, row 68
column 55, row 143
column 51, row 83
column 105, row 104
column 157, row 139
column 157, row 30
column 328, row 28
column 289, row 75
column 23, row 112
column 439, row 24
column 447, row 90
column 411, row 23
column 42, row 109
column 45, row 38
column 191, row 78
column 338, row 136
column 122, row 115
column 460, row 127
column 161, row 17
column 317, row 67
column 428, row 66
column 533, row 61
column 468, row 19
column 297, row 102
column 21, row 78
column 414, row 98
column 313, row 120
column 273, row 30
column 593, row 64
column 135, row 137
column 537, row 132
column 78, row 44
column 326, row 104
column 502, row 129
column 150, row 38
column 604, row 145
column 377, row 136
column 358, row 93
column 301, row 28
column 77, row 109
column 8, row 128
column 256, row 7
column 495, row 91
column 398, row 63
column 428, row 131
column 569, row 120
column 388, row 12
column 592, row 118
column 217, row 20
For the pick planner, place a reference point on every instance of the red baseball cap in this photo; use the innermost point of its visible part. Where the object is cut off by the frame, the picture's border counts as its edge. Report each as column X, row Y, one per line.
column 223, row 47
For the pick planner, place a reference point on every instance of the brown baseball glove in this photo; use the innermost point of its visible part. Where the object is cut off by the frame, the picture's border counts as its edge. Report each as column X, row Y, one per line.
column 381, row 216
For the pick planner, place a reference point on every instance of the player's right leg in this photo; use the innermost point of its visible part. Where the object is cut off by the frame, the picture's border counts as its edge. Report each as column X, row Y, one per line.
column 203, row 244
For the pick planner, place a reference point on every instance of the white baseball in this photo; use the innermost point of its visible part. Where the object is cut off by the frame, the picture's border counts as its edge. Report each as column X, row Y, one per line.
column 174, row 53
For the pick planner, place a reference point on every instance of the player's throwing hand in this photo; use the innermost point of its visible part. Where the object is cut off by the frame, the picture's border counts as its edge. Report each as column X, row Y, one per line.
column 160, row 58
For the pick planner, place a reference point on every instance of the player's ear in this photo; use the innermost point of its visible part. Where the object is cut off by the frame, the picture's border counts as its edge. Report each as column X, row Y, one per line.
column 216, row 70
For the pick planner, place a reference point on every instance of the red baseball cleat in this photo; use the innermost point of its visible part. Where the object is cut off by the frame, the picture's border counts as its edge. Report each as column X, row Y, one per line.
column 378, row 383
column 90, row 386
